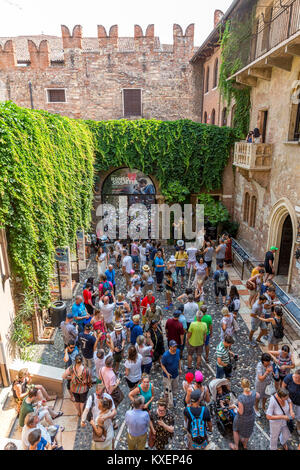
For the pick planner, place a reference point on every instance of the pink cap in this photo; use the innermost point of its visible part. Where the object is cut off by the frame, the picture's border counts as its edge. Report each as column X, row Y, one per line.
column 132, row 271
column 198, row 376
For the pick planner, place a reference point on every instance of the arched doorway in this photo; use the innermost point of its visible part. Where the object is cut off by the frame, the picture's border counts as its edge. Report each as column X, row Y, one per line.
column 285, row 247
column 131, row 184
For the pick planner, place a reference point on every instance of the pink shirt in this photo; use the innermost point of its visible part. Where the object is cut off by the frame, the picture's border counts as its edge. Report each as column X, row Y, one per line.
column 109, row 378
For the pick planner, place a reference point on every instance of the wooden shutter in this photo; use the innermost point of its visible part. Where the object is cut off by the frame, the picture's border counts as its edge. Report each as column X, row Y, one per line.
column 132, row 102
column 56, row 96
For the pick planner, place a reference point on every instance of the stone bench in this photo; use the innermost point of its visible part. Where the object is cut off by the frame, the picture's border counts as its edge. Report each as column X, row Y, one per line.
column 48, row 376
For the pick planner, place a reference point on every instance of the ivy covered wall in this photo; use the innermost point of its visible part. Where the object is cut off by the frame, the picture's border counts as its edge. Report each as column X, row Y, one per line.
column 47, row 165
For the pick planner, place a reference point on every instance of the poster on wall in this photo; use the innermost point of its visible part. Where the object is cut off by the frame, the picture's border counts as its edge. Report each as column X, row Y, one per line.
column 81, row 250
column 127, row 181
column 62, row 256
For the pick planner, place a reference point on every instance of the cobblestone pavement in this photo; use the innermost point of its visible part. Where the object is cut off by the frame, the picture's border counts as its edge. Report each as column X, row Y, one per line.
column 248, row 358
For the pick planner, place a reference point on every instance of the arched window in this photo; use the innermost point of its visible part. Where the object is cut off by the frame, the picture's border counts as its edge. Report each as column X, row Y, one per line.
column 224, row 117
column 205, row 117
column 253, row 211
column 207, row 80
column 213, row 117
column 216, row 73
column 246, row 207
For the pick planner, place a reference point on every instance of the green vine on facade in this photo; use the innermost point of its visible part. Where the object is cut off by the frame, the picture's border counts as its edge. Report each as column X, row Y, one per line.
column 48, row 165
column 235, row 43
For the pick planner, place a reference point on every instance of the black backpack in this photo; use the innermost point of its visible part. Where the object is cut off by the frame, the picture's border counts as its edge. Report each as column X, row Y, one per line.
column 278, row 330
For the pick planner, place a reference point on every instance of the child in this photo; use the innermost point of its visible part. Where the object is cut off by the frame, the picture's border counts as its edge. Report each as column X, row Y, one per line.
column 171, row 266
column 226, row 410
column 169, row 289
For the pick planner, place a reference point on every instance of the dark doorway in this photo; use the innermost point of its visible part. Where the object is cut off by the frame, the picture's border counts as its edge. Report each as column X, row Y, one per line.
column 264, row 126
column 285, row 247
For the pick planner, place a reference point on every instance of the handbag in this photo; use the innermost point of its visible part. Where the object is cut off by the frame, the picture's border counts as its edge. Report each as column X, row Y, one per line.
column 270, row 389
column 290, row 423
column 250, row 286
column 117, row 396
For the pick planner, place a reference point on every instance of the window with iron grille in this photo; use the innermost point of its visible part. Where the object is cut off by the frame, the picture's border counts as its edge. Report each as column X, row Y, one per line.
column 56, row 95
column 132, row 99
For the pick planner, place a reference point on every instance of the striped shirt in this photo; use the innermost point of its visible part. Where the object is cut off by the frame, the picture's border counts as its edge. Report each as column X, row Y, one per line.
column 223, row 353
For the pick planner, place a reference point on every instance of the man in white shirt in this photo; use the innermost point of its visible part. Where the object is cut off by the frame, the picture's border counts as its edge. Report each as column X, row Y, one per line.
column 99, row 359
column 127, row 268
column 107, row 311
column 32, row 421
column 93, row 405
column 192, row 256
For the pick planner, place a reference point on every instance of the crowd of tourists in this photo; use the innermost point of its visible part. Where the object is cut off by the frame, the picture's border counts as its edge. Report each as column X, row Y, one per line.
column 118, row 333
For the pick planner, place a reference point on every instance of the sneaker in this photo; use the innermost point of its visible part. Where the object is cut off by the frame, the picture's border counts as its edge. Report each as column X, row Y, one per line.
column 258, row 413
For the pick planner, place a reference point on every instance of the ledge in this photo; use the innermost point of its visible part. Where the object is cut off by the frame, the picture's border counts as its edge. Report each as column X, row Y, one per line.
column 292, row 142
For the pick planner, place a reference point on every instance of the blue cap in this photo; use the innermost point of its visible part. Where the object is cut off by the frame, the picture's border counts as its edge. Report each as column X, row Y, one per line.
column 69, row 315
column 172, row 343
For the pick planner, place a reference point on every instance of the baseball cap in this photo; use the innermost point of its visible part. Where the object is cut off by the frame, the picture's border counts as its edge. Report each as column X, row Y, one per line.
column 172, row 343
column 195, row 395
column 273, row 248
column 177, row 313
column 69, row 315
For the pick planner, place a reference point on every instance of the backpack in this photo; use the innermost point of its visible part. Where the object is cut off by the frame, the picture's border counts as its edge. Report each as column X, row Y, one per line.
column 107, row 287
column 221, row 282
column 197, row 425
column 278, row 330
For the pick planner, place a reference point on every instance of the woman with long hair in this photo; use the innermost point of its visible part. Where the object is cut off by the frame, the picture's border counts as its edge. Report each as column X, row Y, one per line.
column 133, row 367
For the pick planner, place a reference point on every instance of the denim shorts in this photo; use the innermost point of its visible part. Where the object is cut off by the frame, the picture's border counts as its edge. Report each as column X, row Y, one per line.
column 135, row 259
column 181, row 270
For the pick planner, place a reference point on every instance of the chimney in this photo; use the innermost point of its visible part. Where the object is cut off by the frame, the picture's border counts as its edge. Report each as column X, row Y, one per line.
column 218, row 14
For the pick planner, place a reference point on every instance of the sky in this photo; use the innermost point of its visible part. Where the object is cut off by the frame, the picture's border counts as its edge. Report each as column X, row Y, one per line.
column 34, row 17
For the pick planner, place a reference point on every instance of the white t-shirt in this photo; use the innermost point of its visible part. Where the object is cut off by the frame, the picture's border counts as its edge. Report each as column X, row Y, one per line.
column 95, row 410
column 192, row 254
column 26, row 431
column 127, row 263
column 145, row 353
column 142, row 250
column 135, row 369
column 99, row 363
column 107, row 311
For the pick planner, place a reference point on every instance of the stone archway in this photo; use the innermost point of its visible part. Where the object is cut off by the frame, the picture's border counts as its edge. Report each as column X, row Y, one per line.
column 279, row 213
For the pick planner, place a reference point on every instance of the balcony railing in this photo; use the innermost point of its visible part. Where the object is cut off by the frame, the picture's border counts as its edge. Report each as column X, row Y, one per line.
column 283, row 22
column 253, row 157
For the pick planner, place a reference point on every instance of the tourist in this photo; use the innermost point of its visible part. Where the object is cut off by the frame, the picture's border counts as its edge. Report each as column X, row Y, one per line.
column 279, row 413
column 105, row 288
column 256, row 136
column 181, row 257
column 79, row 313
column 285, row 362
column 206, row 318
column 269, row 263
column 221, row 282
column 228, row 252
column 148, row 300
column 142, row 250
column 224, row 366
column 137, row 421
column 107, row 310
column 250, row 138
column 196, row 337
column 116, row 342
column 70, row 353
column 146, row 390
column 198, row 385
column 161, row 426
column 133, row 367
column 159, row 265
column 135, row 255
column 254, row 286
column 190, row 310
column 134, row 295
column 68, row 329
column 87, row 297
column 264, row 376
column 201, row 270
column 144, row 347
column 112, row 384
column 87, row 341
column 169, row 283
column 91, row 410
column 122, row 304
column 157, row 339
column 191, row 252
column 32, row 421
column 37, row 442
column 257, row 310
column 171, row 266
column 234, row 302
column 257, row 268
column 81, row 382
column 243, row 424
column 98, row 325
column 99, row 359
column 292, row 383
column 135, row 329
column 31, row 404
column 183, row 298
column 174, row 329
column 110, row 274
column 208, row 253
column 147, row 280
column 277, row 329
column 170, row 364
column 101, row 259
column 153, row 251
column 196, row 410
column 127, row 268
column 227, row 323
column 103, row 432
column 220, row 252
column 21, row 386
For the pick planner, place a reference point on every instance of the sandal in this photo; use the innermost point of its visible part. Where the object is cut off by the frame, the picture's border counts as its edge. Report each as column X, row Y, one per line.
column 59, row 414
column 232, row 446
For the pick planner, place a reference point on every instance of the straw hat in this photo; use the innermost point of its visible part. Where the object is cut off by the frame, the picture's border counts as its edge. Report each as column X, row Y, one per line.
column 136, row 318
column 118, row 327
column 146, row 268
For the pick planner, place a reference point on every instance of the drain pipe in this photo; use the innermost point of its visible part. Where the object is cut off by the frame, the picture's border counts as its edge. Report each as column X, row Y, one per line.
column 30, row 93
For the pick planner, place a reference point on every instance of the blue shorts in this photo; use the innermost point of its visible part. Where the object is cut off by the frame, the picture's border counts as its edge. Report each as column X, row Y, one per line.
column 207, row 340
column 135, row 259
column 180, row 270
